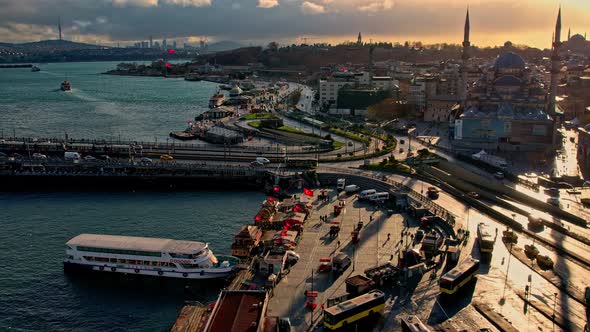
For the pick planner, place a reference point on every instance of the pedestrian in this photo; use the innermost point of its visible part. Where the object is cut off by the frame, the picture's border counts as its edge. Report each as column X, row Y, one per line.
column 370, row 218
column 338, row 243
column 388, row 236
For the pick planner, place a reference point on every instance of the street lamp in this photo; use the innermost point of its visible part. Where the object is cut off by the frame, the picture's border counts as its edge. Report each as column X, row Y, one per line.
column 553, row 316
column 508, row 265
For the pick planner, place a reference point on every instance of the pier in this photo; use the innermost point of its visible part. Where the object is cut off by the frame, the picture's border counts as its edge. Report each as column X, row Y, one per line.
column 387, row 231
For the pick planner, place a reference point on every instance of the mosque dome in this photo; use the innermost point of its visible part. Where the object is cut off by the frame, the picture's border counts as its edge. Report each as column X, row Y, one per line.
column 508, row 80
column 509, row 60
column 508, row 44
column 236, row 90
column 577, row 37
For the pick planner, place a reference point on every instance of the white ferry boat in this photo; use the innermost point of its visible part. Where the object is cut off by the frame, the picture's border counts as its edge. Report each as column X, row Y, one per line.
column 147, row 256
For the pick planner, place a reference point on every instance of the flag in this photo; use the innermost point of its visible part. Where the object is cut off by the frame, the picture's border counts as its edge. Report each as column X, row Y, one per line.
column 308, row 192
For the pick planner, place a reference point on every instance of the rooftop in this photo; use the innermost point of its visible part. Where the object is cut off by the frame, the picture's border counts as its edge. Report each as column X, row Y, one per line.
column 235, row 311
column 136, row 243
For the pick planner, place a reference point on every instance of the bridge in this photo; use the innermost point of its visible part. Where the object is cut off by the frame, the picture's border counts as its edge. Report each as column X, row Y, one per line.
column 29, row 174
column 128, row 149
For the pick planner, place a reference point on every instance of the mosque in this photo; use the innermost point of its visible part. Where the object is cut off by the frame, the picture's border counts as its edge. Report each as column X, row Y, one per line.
column 508, row 108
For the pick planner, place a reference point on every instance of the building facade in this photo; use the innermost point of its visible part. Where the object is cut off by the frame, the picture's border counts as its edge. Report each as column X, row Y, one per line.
column 508, row 108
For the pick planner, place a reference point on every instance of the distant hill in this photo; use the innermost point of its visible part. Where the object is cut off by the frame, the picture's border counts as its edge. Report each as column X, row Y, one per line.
column 224, row 45
column 62, row 45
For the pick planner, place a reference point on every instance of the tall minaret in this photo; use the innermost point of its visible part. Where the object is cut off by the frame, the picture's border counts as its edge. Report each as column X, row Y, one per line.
column 59, row 26
column 555, row 65
column 465, row 57
column 359, row 40
column 569, row 33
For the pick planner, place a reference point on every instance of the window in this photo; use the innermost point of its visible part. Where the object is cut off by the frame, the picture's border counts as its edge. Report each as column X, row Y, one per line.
column 120, row 251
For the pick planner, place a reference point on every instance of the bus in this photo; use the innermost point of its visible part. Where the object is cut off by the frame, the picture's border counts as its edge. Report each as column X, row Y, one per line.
column 350, row 311
column 451, row 281
column 413, row 324
column 485, row 239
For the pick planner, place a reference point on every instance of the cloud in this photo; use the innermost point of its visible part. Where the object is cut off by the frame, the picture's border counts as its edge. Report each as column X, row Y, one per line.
column 311, row 8
column 154, row 3
column 431, row 21
column 186, row 3
column 378, row 6
column 268, row 3
column 138, row 3
column 82, row 24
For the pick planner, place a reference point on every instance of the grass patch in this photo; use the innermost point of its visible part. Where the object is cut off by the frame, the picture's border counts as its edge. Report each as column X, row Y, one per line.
column 337, row 145
column 258, row 116
column 255, row 124
column 393, row 167
column 292, row 130
column 349, row 135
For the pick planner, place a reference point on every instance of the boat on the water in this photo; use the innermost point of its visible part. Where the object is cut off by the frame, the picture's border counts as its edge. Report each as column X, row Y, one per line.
column 35, row 68
column 147, row 256
column 66, row 86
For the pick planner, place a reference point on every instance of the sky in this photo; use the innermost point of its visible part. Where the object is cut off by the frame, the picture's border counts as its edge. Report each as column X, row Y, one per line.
column 107, row 22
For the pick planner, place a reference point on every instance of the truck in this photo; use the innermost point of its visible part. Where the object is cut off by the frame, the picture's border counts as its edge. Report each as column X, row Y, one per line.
column 340, row 184
column 489, row 159
column 383, row 274
column 340, row 262
column 359, row 285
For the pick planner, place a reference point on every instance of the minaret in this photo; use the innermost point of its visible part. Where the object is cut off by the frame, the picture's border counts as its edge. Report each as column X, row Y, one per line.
column 465, row 57
column 569, row 33
column 59, row 26
column 359, row 40
column 555, row 65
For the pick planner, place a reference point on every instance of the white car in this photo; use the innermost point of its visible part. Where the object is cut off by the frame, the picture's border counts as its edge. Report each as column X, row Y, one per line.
column 89, row 158
column 262, row 160
column 499, row 175
column 39, row 156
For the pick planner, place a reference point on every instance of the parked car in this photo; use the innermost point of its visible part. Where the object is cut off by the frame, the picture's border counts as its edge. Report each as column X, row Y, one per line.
column 166, row 157
column 89, row 158
column 473, row 194
column 105, row 157
column 432, row 192
column 256, row 164
column 146, row 160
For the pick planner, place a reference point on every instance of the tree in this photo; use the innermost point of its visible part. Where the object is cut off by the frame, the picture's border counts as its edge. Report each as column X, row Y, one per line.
column 273, row 46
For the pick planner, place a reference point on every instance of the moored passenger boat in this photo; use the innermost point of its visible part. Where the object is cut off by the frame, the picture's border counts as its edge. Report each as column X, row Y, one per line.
column 147, row 256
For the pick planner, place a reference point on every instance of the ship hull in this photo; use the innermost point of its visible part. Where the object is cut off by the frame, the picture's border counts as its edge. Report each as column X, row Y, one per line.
column 216, row 273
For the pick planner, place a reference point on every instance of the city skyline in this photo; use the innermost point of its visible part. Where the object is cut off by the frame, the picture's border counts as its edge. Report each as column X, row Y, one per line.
column 288, row 21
